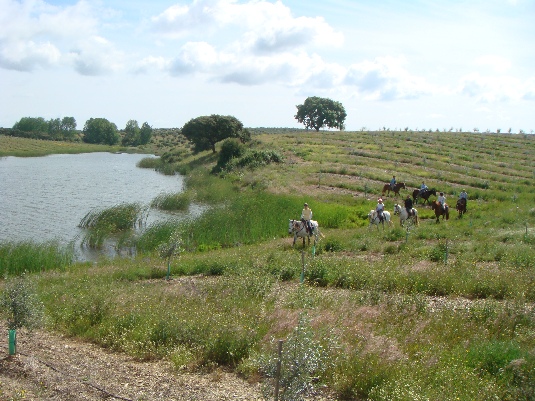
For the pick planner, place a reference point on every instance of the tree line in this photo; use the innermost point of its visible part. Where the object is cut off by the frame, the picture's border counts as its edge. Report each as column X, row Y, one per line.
column 95, row 131
column 203, row 132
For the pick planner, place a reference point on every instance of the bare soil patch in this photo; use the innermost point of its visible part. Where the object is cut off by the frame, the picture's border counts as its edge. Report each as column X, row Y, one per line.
column 48, row 366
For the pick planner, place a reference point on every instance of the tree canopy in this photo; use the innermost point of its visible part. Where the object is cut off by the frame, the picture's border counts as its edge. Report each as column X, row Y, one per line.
column 131, row 134
column 317, row 112
column 145, row 133
column 100, row 130
column 35, row 124
column 204, row 132
column 56, row 129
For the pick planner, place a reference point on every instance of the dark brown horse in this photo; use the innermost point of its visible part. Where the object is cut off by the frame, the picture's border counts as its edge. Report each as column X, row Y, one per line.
column 387, row 188
column 437, row 207
column 424, row 195
column 461, row 207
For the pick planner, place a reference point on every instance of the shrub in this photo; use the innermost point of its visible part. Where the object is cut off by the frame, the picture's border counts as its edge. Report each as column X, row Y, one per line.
column 20, row 304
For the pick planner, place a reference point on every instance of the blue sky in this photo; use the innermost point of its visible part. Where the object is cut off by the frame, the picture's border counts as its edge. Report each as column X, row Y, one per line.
column 447, row 65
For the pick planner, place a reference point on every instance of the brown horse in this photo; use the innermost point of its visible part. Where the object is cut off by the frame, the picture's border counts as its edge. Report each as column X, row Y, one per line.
column 437, row 207
column 461, row 207
column 387, row 188
column 424, row 195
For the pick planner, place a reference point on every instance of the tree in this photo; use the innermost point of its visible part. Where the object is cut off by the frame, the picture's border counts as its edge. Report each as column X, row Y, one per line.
column 54, row 128
column 68, row 124
column 31, row 124
column 132, row 134
column 68, row 127
column 100, row 130
column 145, row 134
column 317, row 112
column 204, row 132
column 20, row 305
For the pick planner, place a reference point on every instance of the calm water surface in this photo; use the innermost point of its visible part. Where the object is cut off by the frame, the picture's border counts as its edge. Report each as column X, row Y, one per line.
column 44, row 198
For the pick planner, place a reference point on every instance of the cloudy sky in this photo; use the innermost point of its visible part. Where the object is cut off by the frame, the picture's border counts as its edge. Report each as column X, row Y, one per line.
column 421, row 64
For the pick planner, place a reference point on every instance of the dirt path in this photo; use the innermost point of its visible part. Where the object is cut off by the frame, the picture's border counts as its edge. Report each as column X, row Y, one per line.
column 52, row 367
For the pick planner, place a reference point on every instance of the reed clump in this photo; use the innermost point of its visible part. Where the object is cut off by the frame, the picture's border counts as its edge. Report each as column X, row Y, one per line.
column 172, row 201
column 101, row 223
column 17, row 258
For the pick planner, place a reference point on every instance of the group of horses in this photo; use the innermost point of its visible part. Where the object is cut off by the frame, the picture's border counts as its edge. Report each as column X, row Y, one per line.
column 299, row 230
column 424, row 195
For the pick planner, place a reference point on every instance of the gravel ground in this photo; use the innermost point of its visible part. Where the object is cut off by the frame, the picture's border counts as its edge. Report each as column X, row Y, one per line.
column 52, row 367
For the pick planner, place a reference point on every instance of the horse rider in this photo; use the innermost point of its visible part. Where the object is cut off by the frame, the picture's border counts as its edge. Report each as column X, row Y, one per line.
column 408, row 205
column 464, row 195
column 306, row 216
column 380, row 209
column 393, row 182
column 423, row 188
column 442, row 200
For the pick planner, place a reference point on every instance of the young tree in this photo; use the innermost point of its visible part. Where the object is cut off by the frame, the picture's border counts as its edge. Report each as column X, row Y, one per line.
column 145, row 134
column 132, row 134
column 204, row 132
column 317, row 112
column 100, row 130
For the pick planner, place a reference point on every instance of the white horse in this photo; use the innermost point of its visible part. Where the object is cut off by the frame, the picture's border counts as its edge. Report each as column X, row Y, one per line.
column 373, row 217
column 298, row 229
column 404, row 216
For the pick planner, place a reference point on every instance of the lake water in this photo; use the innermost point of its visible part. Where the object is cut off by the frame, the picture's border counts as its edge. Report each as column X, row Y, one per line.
column 44, row 198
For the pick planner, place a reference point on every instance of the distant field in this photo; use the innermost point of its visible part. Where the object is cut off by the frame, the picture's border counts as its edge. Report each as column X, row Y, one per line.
column 24, row 147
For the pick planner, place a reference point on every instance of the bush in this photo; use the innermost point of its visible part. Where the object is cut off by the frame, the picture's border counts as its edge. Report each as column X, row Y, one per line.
column 20, row 305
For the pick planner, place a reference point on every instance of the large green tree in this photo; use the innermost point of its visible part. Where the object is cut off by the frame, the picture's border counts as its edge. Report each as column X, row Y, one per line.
column 100, row 130
column 31, row 124
column 131, row 134
column 204, row 132
column 68, row 124
column 145, row 133
column 318, row 112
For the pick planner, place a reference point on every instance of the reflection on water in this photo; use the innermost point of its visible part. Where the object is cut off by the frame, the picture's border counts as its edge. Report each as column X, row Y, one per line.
column 44, row 198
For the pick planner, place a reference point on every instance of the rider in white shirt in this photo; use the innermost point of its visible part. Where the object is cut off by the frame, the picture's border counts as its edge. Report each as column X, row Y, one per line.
column 306, row 216
column 380, row 208
column 442, row 200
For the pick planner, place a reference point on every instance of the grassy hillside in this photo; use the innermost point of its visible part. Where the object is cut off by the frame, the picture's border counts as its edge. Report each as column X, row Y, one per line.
column 439, row 311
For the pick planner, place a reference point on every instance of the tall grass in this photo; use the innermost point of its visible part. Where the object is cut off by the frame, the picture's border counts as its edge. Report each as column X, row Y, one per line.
column 17, row 258
column 101, row 223
column 172, row 201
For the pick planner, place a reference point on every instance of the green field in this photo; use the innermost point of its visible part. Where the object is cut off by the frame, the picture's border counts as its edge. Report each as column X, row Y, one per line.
column 436, row 312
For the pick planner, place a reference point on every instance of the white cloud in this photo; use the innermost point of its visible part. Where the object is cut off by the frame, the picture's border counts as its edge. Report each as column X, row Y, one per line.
column 96, row 56
column 195, row 57
column 179, row 20
column 32, row 33
column 259, row 26
column 148, row 63
column 386, row 78
column 27, row 55
column 496, row 63
column 494, row 88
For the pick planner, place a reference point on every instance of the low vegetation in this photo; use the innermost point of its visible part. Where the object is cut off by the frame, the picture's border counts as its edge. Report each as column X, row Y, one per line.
column 440, row 311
